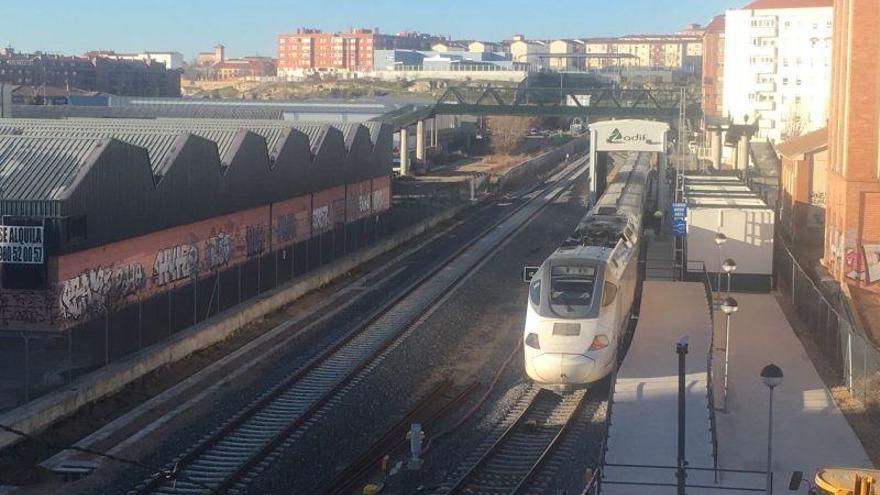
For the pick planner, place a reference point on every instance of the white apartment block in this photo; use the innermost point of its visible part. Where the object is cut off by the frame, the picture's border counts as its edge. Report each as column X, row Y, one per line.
column 777, row 66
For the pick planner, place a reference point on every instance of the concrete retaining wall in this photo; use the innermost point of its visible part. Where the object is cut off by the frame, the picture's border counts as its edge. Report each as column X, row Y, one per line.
column 38, row 415
column 526, row 172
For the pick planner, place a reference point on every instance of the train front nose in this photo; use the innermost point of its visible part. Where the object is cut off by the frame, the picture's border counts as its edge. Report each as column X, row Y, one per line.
column 563, row 368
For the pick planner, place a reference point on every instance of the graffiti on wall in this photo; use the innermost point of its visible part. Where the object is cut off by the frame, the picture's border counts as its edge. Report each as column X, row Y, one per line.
column 364, row 203
column 379, row 199
column 175, row 263
column 25, row 307
column 321, row 218
column 93, row 290
column 285, row 228
column 872, row 262
column 255, row 240
column 218, row 250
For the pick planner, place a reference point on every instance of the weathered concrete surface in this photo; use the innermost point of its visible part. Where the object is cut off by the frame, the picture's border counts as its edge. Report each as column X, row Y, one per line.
column 809, row 431
column 644, row 413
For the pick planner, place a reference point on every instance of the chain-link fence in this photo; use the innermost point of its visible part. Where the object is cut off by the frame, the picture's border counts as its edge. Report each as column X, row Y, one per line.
column 34, row 363
column 853, row 358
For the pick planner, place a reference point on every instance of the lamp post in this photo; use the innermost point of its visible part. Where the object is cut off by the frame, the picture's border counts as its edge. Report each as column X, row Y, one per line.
column 681, row 349
column 771, row 375
column 729, row 306
column 729, row 266
column 720, row 239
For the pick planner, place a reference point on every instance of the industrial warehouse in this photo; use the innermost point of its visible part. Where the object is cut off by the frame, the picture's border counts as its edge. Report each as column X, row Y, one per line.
column 193, row 217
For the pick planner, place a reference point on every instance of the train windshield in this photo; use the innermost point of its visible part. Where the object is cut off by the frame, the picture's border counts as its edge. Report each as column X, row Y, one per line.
column 571, row 289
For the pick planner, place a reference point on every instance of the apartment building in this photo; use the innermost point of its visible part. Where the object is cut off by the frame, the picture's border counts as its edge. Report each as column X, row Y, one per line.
column 852, row 234
column 235, row 68
column 713, row 67
column 95, row 73
column 682, row 51
column 315, row 50
column 777, row 61
column 571, row 48
column 171, row 60
column 532, row 52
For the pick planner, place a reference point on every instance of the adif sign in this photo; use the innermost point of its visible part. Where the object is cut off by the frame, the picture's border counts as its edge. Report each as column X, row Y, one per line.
column 629, row 135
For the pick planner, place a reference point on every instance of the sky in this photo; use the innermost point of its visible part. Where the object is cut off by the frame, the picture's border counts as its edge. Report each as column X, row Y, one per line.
column 249, row 27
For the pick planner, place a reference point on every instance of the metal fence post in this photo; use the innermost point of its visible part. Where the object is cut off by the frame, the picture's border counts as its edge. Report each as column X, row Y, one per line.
column 848, row 369
column 196, row 298
column 69, row 356
column 169, row 311
column 140, row 324
column 27, row 367
column 865, row 369
column 239, row 283
column 106, row 336
column 791, row 257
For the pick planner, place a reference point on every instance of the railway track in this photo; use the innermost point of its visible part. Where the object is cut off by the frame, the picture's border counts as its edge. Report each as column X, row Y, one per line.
column 228, row 458
column 430, row 410
column 535, row 427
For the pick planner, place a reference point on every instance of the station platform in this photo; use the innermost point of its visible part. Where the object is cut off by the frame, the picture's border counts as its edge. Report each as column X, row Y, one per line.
column 644, row 408
column 809, row 431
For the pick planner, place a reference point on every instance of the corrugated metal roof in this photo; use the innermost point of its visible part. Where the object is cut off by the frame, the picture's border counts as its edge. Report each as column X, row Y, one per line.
column 158, row 136
column 41, row 168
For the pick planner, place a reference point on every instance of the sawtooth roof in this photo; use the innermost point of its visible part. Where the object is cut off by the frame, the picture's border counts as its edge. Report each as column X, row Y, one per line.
column 144, row 175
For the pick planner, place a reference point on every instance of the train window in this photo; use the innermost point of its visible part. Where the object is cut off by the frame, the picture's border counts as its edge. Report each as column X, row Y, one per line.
column 535, row 291
column 571, row 287
column 609, row 292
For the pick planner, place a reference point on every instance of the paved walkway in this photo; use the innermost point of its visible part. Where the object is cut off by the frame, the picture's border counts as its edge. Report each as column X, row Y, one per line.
column 809, row 431
column 645, row 408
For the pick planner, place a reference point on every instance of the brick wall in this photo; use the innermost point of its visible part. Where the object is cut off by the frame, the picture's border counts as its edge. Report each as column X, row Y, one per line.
column 117, row 274
column 852, row 218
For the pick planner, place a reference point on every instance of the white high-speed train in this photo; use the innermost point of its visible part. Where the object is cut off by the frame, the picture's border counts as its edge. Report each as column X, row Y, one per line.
column 581, row 297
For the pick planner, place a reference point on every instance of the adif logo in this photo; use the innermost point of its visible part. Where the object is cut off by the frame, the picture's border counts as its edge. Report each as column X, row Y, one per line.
column 617, row 137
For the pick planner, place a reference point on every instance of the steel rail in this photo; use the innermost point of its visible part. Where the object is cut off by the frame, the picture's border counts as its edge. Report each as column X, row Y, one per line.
column 229, row 453
column 515, row 443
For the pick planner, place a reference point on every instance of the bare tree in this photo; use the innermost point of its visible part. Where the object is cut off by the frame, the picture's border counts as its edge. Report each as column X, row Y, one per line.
column 507, row 132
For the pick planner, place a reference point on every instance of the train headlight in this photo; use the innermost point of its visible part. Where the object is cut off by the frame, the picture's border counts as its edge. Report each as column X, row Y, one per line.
column 532, row 341
column 599, row 342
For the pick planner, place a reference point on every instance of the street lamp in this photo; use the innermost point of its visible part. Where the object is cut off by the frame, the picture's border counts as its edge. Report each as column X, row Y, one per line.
column 729, row 266
column 771, row 375
column 720, row 239
column 729, row 306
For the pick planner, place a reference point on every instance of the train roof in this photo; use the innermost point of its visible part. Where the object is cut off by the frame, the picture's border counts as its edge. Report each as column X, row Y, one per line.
column 617, row 212
column 580, row 252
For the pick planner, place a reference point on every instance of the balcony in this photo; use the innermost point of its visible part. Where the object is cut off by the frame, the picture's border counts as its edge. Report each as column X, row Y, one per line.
column 765, row 32
column 767, row 52
column 765, row 87
column 765, row 106
column 764, row 67
column 766, row 26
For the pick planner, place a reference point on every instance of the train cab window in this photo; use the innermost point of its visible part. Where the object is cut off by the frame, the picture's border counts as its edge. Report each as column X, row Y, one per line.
column 571, row 288
column 535, row 291
column 609, row 292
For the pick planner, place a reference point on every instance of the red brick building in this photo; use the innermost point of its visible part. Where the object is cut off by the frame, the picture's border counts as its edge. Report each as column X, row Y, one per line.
column 852, row 237
column 803, row 178
column 235, row 68
column 315, row 50
column 713, row 67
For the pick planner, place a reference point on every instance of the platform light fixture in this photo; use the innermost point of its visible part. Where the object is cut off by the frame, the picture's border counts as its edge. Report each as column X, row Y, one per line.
column 729, row 266
column 729, row 306
column 771, row 375
column 720, row 239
